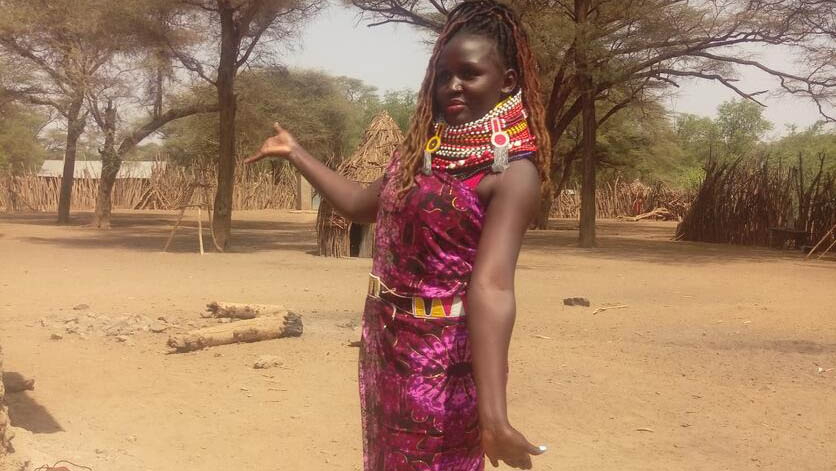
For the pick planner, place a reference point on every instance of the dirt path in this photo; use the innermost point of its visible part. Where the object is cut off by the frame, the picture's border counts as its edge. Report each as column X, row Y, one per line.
column 720, row 361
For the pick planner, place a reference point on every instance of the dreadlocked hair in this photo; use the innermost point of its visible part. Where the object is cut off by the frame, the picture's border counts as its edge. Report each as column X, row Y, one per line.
column 498, row 22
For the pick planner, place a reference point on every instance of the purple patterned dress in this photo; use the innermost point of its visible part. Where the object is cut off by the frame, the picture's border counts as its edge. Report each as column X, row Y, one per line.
column 417, row 392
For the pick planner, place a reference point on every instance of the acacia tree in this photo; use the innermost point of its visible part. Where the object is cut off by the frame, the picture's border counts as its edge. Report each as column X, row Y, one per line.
column 625, row 50
column 63, row 44
column 120, row 87
column 235, row 29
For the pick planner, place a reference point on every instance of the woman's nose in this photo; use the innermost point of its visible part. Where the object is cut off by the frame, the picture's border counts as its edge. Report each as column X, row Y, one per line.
column 455, row 84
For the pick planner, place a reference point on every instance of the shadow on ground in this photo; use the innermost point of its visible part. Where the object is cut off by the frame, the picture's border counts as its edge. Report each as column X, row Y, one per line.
column 645, row 241
column 648, row 242
column 26, row 413
column 149, row 233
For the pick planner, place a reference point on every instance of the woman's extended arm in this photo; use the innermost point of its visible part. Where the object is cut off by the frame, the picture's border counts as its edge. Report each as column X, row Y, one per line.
column 492, row 310
column 351, row 199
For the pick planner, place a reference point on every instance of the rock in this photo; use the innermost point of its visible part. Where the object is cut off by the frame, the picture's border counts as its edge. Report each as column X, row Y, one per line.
column 576, row 302
column 5, row 432
column 80, row 307
column 267, row 361
column 56, row 336
column 121, row 338
column 350, row 324
column 72, row 329
column 158, row 327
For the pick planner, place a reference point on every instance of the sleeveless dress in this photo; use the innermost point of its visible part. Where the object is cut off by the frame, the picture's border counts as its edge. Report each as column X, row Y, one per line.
column 417, row 392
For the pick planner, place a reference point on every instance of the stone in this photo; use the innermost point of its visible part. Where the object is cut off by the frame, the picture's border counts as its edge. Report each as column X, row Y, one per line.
column 80, row 307
column 56, row 336
column 158, row 327
column 576, row 302
column 267, row 361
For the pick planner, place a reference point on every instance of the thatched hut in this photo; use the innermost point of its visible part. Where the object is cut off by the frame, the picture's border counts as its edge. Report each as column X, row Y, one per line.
column 337, row 236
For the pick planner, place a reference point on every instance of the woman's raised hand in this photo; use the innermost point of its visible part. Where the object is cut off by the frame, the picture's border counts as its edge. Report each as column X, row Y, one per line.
column 279, row 145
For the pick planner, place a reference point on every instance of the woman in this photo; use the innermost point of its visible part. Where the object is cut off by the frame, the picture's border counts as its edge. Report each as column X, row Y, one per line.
column 451, row 212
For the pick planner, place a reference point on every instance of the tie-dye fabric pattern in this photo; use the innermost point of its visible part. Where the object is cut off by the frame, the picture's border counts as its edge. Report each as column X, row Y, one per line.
column 417, row 391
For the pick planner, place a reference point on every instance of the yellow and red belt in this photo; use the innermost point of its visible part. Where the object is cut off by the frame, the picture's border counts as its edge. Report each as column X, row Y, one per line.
column 418, row 306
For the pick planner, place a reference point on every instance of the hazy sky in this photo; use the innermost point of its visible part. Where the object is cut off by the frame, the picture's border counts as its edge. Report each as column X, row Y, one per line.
column 394, row 57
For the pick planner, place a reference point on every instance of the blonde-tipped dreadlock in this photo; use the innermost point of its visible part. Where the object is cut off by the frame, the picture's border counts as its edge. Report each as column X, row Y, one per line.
column 497, row 22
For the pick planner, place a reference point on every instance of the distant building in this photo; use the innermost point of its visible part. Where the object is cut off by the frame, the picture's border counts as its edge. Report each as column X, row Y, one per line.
column 92, row 169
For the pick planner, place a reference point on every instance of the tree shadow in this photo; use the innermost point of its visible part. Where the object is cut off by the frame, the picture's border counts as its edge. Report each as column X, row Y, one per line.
column 149, row 233
column 650, row 242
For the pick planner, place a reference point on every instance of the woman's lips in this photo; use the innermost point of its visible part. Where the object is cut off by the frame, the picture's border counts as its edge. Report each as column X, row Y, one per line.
column 455, row 107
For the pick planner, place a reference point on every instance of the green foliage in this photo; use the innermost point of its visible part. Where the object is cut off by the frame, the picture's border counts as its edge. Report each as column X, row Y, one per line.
column 741, row 125
column 20, row 148
column 328, row 115
column 640, row 142
column 400, row 104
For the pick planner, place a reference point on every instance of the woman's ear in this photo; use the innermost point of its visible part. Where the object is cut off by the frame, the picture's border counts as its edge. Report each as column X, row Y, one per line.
column 510, row 81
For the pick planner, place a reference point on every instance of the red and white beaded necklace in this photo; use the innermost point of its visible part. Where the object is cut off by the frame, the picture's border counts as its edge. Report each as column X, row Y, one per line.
column 501, row 133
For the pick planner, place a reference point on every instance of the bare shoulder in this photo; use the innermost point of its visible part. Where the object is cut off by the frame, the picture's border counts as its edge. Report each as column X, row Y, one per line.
column 521, row 178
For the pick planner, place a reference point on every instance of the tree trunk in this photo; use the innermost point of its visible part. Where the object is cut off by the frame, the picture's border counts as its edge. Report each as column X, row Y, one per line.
column 230, row 42
column 75, row 127
column 587, row 224
column 110, row 168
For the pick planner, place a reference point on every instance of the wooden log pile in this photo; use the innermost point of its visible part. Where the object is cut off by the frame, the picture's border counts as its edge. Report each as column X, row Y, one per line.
column 260, row 322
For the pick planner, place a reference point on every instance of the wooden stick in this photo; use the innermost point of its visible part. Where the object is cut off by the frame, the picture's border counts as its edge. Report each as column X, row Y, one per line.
column 820, row 242
column 174, row 229
column 251, row 330
column 200, row 230
column 828, row 249
column 607, row 308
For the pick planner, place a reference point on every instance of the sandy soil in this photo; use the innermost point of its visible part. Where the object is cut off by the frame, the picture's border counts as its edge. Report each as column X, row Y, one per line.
column 722, row 360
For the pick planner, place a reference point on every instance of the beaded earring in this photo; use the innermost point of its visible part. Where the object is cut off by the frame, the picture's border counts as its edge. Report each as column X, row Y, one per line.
column 501, row 142
column 432, row 146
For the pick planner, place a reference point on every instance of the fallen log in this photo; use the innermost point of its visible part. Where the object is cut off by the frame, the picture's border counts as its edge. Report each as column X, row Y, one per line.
column 243, row 311
column 15, row 383
column 663, row 213
column 246, row 331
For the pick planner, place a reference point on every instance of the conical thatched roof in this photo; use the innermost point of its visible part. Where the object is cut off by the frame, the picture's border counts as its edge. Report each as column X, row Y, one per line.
column 370, row 159
column 365, row 165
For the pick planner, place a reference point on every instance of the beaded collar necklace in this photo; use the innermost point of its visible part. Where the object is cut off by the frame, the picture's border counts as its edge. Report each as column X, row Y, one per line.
column 501, row 133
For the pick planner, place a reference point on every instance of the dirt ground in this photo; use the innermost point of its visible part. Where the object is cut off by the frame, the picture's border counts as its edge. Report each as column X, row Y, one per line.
column 723, row 358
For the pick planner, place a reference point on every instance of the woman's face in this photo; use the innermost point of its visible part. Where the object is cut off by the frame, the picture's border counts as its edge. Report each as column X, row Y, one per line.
column 471, row 78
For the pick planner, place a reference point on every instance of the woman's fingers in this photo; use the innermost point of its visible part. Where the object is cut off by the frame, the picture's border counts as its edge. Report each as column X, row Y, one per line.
column 534, row 450
column 254, row 158
column 278, row 128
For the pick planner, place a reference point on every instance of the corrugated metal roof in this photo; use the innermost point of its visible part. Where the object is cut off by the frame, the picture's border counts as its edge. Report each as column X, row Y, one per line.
column 93, row 169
